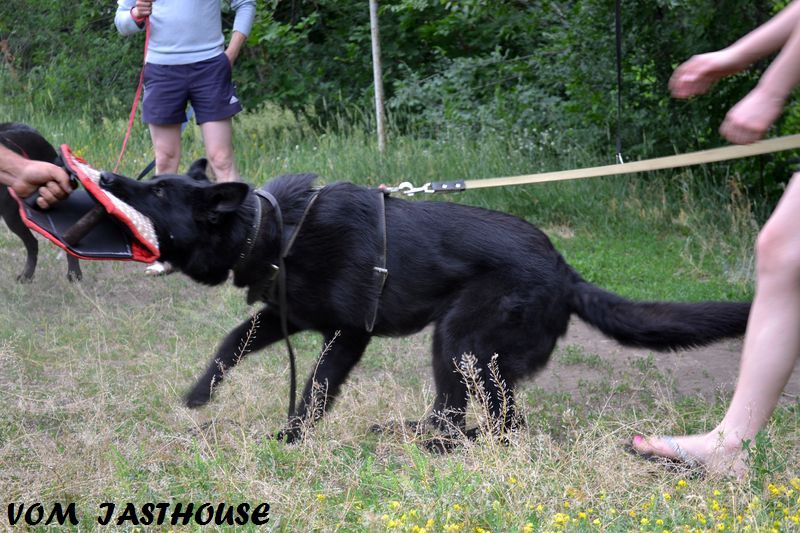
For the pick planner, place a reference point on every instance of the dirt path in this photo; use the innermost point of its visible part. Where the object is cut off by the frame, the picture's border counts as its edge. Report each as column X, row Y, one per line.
column 585, row 357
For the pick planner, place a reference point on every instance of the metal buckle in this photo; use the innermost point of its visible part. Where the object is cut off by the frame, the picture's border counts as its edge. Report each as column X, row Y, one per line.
column 408, row 188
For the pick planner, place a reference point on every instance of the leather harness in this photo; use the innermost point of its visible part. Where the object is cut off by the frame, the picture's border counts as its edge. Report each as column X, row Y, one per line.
column 272, row 286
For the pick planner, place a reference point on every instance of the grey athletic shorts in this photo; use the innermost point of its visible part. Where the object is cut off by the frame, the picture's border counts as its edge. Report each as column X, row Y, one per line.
column 206, row 84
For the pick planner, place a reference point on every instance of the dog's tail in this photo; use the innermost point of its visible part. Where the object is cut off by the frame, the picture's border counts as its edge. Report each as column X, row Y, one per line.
column 657, row 325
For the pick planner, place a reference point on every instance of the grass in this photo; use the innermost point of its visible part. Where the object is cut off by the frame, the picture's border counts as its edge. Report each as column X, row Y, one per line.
column 92, row 374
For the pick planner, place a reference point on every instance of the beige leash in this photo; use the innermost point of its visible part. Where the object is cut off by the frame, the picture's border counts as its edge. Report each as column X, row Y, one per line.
column 725, row 153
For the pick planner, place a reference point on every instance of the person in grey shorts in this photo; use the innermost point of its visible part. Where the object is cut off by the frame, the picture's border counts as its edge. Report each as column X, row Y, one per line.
column 187, row 62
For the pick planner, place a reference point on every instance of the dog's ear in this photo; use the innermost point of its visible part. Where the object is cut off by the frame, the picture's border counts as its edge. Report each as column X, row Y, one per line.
column 223, row 198
column 197, row 170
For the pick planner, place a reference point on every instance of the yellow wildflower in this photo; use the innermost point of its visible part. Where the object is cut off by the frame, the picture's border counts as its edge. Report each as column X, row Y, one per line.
column 320, row 497
column 394, row 505
column 681, row 483
column 456, row 507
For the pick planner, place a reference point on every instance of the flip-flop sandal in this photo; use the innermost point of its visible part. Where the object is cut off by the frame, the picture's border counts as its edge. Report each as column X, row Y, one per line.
column 682, row 463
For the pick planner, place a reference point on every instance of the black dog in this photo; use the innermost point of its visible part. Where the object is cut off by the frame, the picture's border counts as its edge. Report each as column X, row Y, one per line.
column 28, row 142
column 490, row 282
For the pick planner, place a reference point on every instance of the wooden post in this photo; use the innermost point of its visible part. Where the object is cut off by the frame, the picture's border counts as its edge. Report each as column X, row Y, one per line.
column 377, row 74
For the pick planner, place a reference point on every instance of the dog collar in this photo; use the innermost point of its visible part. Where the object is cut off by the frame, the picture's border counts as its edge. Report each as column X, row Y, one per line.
column 252, row 235
column 263, row 287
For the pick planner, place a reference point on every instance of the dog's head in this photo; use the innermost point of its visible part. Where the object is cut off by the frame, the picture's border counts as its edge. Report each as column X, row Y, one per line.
column 198, row 223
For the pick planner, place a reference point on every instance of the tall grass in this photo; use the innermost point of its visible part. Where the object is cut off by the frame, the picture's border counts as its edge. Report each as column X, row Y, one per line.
column 91, row 374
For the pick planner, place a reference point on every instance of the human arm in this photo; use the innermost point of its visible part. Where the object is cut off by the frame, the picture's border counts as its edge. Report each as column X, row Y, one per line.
column 749, row 119
column 698, row 74
column 26, row 176
column 131, row 14
column 235, row 46
column 242, row 24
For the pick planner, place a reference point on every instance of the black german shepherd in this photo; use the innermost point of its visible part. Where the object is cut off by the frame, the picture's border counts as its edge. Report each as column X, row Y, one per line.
column 491, row 283
column 29, row 143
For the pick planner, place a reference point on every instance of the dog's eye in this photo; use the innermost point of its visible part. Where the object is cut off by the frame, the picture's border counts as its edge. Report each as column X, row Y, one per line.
column 158, row 191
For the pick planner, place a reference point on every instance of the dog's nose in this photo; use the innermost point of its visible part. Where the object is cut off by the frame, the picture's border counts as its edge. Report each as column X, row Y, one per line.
column 107, row 179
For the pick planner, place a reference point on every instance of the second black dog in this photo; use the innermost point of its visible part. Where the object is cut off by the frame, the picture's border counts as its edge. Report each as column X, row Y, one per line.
column 489, row 282
column 28, row 142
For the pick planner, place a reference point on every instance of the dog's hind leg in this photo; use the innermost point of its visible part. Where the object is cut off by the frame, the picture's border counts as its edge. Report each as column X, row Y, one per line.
column 341, row 353
column 263, row 329
column 449, row 407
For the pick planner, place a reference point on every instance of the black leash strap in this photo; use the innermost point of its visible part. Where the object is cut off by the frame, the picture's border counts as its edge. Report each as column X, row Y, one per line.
column 618, row 24
column 282, row 308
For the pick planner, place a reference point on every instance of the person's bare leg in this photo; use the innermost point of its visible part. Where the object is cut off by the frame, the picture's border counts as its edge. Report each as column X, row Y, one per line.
column 167, row 146
column 218, row 140
column 771, row 347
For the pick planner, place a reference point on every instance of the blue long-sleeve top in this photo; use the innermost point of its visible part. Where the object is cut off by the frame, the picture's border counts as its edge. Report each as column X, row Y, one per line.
column 185, row 31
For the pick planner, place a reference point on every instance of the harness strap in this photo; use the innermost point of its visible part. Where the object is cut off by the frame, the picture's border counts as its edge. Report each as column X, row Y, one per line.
column 296, row 228
column 380, row 271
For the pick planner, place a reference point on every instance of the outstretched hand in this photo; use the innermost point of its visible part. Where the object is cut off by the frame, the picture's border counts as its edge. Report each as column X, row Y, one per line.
column 697, row 74
column 749, row 119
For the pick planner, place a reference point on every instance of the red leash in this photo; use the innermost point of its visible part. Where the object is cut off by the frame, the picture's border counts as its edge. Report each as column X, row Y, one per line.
column 138, row 93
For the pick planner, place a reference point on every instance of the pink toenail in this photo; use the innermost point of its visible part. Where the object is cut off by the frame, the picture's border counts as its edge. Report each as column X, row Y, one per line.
column 637, row 439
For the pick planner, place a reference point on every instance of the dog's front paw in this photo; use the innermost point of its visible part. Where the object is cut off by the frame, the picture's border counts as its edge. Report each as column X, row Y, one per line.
column 25, row 277
column 198, row 397
column 289, row 435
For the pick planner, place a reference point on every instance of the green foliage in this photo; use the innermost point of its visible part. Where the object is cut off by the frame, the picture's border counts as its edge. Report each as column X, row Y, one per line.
column 530, row 71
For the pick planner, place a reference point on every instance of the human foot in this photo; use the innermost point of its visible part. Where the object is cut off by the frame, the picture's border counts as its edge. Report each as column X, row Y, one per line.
column 694, row 453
